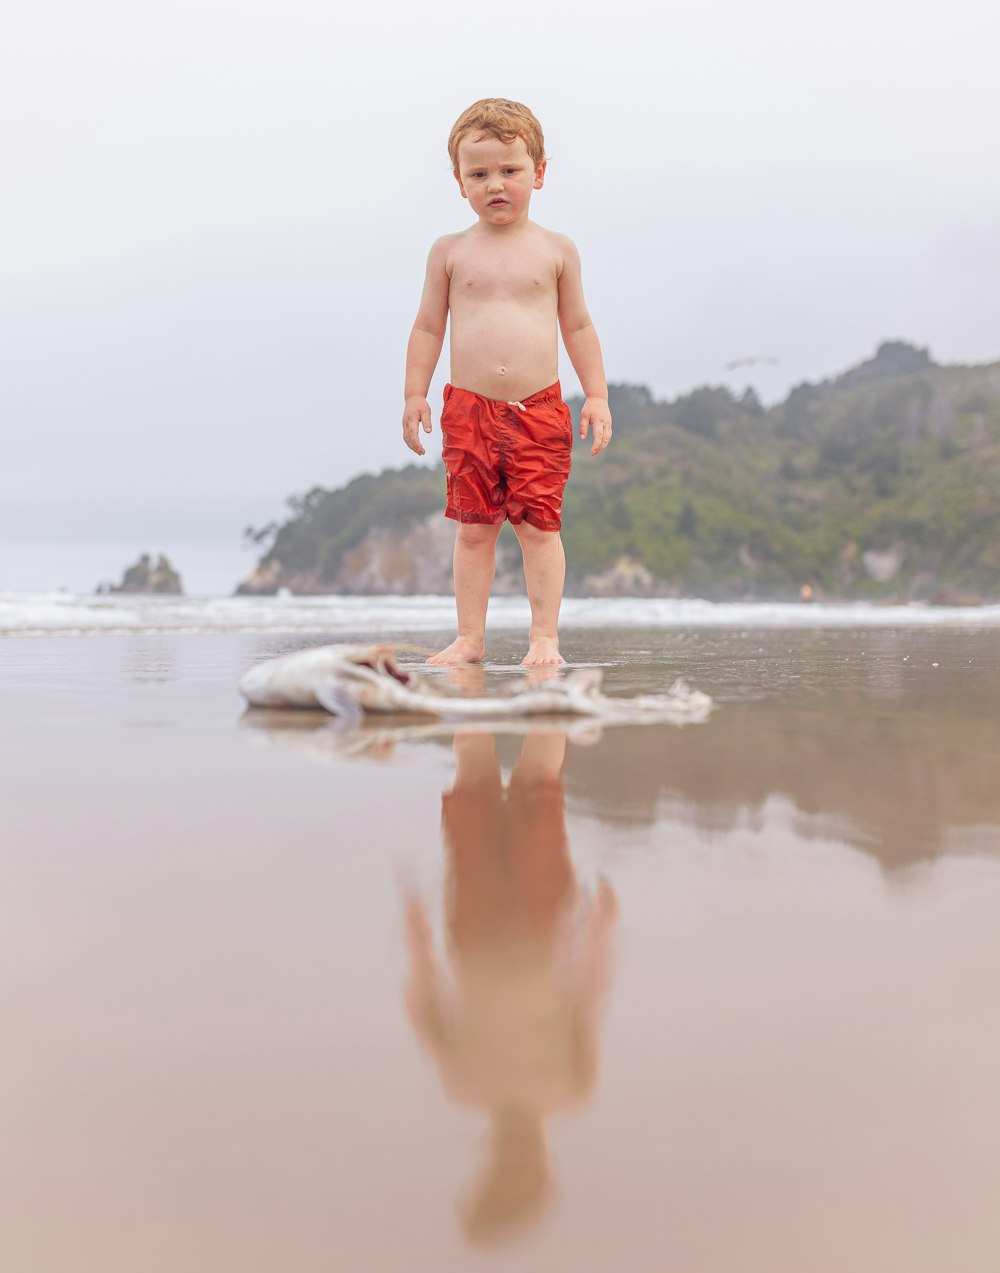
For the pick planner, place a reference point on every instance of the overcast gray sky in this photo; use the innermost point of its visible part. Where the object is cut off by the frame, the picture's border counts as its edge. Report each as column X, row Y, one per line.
column 216, row 215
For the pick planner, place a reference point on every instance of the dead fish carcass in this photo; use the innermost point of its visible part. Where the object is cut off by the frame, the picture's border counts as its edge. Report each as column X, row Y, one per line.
column 352, row 680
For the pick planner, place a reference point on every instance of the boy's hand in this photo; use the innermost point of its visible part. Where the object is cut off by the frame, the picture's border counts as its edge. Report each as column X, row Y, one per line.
column 595, row 412
column 416, row 412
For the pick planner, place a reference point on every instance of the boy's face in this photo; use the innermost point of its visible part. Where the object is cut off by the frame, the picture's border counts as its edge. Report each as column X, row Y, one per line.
column 497, row 177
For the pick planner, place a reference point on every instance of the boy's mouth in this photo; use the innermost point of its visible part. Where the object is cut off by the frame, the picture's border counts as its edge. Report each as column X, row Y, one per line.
column 497, row 203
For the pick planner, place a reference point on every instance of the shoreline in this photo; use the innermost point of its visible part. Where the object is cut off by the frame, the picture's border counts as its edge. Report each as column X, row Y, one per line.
column 64, row 614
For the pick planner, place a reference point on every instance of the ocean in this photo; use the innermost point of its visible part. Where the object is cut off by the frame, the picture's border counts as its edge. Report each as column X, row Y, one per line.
column 62, row 612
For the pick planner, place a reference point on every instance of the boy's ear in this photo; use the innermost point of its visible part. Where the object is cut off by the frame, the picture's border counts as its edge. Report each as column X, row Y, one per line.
column 460, row 186
column 539, row 175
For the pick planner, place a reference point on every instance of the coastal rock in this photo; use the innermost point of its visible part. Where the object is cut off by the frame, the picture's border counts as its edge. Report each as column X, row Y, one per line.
column 417, row 561
column 265, row 581
column 628, row 577
column 954, row 597
column 412, row 560
column 144, row 577
column 388, row 560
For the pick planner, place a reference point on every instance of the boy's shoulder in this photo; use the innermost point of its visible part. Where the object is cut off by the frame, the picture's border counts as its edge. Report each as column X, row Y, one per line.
column 445, row 250
column 448, row 240
column 555, row 236
column 555, row 239
column 562, row 247
column 459, row 240
column 443, row 246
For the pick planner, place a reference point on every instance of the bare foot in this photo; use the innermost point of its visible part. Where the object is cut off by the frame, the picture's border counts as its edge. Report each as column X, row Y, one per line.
column 461, row 650
column 543, row 652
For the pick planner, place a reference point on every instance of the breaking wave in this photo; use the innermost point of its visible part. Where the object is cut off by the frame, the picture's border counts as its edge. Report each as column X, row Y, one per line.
column 67, row 613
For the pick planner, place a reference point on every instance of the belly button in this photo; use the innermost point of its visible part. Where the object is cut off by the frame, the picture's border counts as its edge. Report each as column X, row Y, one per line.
column 503, row 371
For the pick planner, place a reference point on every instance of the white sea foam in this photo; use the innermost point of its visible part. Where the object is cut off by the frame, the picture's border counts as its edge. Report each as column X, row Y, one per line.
column 67, row 613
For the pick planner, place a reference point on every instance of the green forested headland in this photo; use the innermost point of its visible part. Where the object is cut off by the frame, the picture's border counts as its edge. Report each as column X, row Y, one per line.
column 882, row 482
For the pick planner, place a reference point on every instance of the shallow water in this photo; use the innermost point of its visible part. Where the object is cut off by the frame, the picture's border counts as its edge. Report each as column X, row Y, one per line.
column 718, row 998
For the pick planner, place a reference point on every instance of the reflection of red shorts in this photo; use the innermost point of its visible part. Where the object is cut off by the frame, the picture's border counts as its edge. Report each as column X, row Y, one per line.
column 506, row 459
column 509, row 870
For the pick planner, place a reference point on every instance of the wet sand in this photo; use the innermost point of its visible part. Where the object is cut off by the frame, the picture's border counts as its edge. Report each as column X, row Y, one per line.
column 716, row 999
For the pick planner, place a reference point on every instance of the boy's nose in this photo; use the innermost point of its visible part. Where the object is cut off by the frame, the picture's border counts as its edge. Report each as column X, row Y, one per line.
column 495, row 185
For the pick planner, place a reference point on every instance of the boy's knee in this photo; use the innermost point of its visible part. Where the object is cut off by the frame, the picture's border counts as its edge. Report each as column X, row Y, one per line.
column 477, row 534
column 529, row 534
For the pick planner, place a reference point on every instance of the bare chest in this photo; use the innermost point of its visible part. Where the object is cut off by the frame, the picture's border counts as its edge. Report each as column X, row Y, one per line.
column 504, row 276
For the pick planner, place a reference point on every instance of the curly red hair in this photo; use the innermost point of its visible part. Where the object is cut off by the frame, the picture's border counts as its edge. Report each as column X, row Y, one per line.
column 502, row 119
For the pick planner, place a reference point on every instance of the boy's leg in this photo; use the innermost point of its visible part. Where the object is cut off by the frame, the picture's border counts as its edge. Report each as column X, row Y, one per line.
column 545, row 575
column 475, row 566
column 540, row 764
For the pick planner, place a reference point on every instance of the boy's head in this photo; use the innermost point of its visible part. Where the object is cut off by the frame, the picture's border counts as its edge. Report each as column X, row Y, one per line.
column 516, row 1184
column 500, row 118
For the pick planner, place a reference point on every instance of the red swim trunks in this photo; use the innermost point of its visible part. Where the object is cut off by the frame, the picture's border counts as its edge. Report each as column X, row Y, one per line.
column 506, row 459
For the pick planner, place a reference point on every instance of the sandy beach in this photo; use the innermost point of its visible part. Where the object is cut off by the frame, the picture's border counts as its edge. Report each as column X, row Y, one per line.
column 277, row 995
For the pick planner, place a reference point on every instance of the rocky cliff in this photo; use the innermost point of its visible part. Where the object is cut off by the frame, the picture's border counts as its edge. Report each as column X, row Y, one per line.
column 878, row 483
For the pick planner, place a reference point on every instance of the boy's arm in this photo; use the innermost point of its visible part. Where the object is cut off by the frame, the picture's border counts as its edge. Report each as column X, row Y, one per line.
column 426, row 998
column 424, row 348
column 584, row 349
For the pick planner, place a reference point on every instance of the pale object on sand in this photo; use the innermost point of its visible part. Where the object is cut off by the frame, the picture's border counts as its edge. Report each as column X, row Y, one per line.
column 352, row 680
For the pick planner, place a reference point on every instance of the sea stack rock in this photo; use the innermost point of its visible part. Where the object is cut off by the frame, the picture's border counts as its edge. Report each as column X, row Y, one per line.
column 145, row 577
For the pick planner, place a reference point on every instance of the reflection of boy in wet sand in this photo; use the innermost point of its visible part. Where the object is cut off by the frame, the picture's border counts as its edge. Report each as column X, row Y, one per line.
column 515, row 1029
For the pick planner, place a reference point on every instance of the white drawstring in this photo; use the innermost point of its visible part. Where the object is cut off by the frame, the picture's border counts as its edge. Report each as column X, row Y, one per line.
column 520, row 405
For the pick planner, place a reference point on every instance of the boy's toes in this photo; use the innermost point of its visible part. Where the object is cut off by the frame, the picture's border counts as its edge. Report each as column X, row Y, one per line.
column 543, row 653
column 461, row 650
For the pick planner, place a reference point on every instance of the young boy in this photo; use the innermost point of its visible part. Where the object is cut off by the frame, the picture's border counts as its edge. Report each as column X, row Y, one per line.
column 508, row 287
